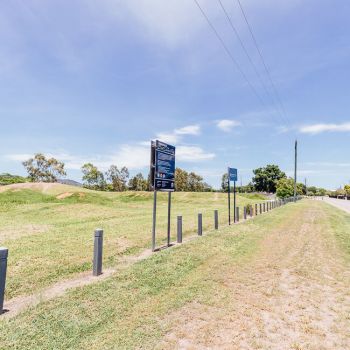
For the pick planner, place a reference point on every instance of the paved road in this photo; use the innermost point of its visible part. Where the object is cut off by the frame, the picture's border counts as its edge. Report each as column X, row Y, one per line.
column 339, row 203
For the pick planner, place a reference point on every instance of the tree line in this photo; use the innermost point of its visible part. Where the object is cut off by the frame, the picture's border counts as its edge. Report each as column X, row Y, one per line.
column 115, row 179
column 269, row 179
column 341, row 192
column 43, row 169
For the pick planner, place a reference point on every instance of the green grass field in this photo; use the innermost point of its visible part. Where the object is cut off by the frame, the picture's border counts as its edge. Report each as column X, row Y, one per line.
column 136, row 307
column 49, row 228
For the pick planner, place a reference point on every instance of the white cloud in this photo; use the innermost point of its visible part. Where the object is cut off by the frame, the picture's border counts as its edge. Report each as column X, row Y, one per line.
column 131, row 156
column 227, row 125
column 176, row 136
column 328, row 164
column 168, row 137
column 192, row 154
column 172, row 22
column 320, row 128
column 175, row 23
column 19, row 157
column 188, row 130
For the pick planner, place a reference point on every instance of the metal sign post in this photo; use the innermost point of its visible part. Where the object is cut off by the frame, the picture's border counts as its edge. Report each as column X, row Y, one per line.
column 229, row 198
column 232, row 176
column 234, row 201
column 169, row 211
column 154, row 220
column 162, row 179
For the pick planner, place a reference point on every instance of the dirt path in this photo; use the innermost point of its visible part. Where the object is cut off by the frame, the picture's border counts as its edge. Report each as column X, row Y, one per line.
column 293, row 295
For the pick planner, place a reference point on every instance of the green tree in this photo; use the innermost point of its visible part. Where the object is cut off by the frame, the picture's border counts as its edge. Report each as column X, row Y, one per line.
column 195, row 182
column 138, row 183
column 312, row 190
column 224, row 182
column 92, row 177
column 207, row 187
column 285, row 188
column 118, row 178
column 181, row 180
column 42, row 169
column 8, row 179
column 347, row 189
column 301, row 189
column 265, row 179
column 191, row 182
column 322, row 192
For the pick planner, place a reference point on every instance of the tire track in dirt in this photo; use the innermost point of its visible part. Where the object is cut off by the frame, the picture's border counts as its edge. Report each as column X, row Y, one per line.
column 293, row 295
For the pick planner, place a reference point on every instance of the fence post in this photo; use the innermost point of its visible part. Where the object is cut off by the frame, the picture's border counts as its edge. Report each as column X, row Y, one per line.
column 245, row 213
column 98, row 248
column 256, row 209
column 237, row 214
column 179, row 229
column 200, row 225
column 251, row 211
column 260, row 209
column 267, row 206
column 3, row 268
column 216, row 219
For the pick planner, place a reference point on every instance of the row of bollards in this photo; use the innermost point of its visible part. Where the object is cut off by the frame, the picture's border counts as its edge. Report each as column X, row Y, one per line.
column 263, row 207
column 256, row 209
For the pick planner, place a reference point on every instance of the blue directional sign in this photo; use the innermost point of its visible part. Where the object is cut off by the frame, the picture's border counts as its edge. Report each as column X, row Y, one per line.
column 164, row 163
column 232, row 173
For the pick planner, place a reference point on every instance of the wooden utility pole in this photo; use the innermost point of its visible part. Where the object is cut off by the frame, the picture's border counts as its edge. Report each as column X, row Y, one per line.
column 305, row 187
column 295, row 169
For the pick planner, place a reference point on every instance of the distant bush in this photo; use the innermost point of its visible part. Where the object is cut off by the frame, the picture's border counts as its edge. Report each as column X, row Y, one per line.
column 339, row 193
column 249, row 209
column 8, row 179
column 257, row 196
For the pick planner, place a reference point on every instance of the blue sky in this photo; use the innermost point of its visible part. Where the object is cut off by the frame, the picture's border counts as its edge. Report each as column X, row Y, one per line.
column 95, row 81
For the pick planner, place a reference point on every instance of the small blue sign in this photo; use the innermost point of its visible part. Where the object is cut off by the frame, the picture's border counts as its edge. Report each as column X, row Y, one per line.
column 232, row 174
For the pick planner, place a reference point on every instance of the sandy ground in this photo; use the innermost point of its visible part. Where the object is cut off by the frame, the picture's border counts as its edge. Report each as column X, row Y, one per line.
column 293, row 295
column 38, row 186
column 339, row 203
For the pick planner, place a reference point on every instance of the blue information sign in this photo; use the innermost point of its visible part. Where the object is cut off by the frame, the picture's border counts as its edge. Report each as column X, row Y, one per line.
column 232, row 173
column 164, row 177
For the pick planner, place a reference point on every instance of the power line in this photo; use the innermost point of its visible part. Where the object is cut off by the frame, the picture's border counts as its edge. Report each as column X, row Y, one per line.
column 263, row 61
column 229, row 19
column 230, row 54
